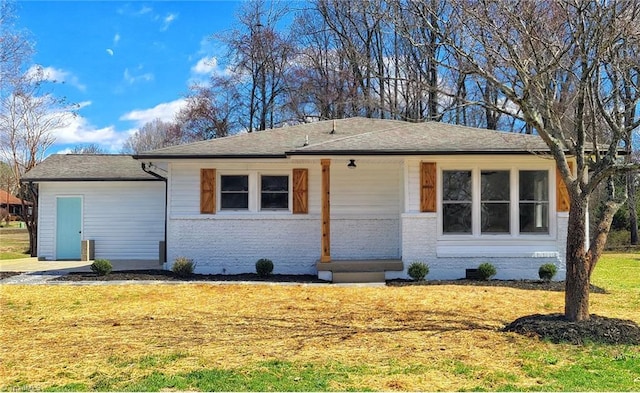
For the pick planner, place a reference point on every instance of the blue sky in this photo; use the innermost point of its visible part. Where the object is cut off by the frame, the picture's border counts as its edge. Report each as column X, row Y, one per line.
column 124, row 63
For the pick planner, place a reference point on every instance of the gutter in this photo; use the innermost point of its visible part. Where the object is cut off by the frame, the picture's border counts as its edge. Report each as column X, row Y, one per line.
column 166, row 201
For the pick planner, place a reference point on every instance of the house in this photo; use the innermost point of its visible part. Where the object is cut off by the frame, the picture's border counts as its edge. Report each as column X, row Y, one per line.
column 13, row 205
column 98, row 206
column 350, row 200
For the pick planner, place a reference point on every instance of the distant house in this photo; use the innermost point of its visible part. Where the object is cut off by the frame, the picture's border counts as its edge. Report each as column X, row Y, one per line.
column 13, row 205
column 350, row 200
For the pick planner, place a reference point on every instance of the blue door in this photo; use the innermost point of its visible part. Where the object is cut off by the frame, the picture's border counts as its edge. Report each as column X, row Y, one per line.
column 68, row 227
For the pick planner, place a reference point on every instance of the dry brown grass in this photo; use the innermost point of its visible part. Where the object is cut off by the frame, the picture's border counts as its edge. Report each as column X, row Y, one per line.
column 55, row 335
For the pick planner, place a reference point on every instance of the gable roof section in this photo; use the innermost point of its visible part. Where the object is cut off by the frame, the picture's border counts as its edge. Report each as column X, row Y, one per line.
column 356, row 136
column 88, row 167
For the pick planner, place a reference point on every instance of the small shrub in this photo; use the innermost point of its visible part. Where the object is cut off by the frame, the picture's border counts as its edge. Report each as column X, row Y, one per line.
column 486, row 271
column 547, row 271
column 183, row 266
column 101, row 267
column 264, row 267
column 418, row 271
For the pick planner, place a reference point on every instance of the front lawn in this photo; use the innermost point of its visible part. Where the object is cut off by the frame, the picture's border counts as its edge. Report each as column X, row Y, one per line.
column 284, row 338
column 14, row 243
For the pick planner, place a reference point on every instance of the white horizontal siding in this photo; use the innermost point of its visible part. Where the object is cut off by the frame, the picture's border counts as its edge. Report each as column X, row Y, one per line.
column 125, row 219
column 184, row 183
column 371, row 189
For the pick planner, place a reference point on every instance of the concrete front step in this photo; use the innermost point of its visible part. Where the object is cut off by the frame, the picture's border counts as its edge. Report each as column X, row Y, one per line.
column 357, row 277
column 357, row 271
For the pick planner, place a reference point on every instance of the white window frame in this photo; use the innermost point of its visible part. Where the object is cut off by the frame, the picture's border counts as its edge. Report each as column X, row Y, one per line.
column 514, row 210
column 255, row 177
column 220, row 193
column 289, row 192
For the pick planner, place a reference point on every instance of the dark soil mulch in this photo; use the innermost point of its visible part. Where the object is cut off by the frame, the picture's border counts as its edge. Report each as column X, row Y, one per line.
column 536, row 285
column 4, row 275
column 167, row 275
column 555, row 328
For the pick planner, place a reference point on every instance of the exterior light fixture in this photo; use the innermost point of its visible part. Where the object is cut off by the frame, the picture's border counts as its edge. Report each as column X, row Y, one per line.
column 351, row 164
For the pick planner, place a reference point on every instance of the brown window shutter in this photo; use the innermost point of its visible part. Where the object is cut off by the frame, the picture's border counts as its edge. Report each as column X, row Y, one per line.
column 207, row 191
column 428, row 187
column 300, row 191
column 563, row 202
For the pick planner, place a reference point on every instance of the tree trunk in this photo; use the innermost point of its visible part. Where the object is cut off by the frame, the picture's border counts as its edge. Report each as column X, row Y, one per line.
column 576, row 306
column 633, row 213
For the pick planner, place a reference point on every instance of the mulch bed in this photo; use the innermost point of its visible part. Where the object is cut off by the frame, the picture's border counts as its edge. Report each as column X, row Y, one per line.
column 536, row 285
column 167, row 275
column 555, row 328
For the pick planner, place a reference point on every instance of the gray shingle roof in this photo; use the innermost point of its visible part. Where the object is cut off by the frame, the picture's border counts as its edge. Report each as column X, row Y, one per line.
column 356, row 135
column 96, row 167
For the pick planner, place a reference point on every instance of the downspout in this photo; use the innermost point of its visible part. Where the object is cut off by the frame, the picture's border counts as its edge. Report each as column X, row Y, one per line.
column 166, row 198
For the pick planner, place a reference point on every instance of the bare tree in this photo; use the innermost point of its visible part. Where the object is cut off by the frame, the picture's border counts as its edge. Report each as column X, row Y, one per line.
column 212, row 111
column 15, row 46
column 28, row 117
column 260, row 55
column 153, row 135
column 563, row 64
column 91, row 148
column 321, row 84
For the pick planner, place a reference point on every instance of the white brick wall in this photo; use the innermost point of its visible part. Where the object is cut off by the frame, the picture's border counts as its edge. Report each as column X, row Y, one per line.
column 233, row 244
column 419, row 243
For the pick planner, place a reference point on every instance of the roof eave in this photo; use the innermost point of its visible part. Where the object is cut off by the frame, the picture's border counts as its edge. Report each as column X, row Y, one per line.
column 412, row 152
column 206, row 156
column 83, row 179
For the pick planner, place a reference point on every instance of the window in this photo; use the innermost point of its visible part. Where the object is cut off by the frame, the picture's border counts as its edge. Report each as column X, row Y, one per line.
column 494, row 204
column 534, row 202
column 456, row 201
column 484, row 202
column 274, row 192
column 234, row 192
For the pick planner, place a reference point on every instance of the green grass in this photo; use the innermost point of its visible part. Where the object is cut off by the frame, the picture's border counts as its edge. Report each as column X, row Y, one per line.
column 589, row 368
column 618, row 271
column 14, row 245
column 270, row 376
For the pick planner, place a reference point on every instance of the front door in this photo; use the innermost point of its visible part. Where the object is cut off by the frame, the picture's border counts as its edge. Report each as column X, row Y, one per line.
column 68, row 227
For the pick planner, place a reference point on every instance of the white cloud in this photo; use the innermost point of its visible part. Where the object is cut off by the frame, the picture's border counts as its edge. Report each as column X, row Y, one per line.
column 206, row 65
column 164, row 111
column 110, row 52
column 79, row 130
column 167, row 20
column 130, row 78
column 56, row 75
column 116, row 39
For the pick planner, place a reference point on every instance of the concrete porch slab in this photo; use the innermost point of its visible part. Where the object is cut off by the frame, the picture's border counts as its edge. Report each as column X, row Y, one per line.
column 369, row 265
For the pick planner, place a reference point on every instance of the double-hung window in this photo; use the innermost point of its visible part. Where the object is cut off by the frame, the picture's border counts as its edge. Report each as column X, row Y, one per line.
column 494, row 202
column 274, row 192
column 534, row 202
column 234, row 192
column 456, row 201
